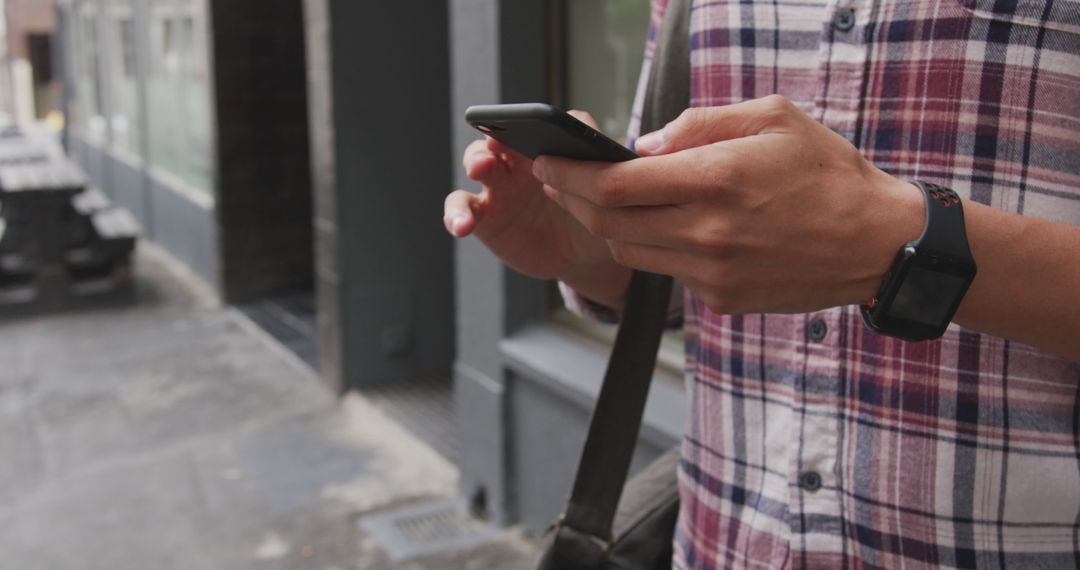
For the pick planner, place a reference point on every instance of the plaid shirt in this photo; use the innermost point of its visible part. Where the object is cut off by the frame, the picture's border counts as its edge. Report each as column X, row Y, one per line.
column 815, row 443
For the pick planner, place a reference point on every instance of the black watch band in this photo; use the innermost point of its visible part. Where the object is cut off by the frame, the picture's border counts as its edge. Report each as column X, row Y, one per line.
column 929, row 276
column 944, row 231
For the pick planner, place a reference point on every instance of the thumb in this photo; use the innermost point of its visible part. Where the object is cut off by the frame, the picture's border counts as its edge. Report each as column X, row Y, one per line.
column 706, row 125
column 462, row 212
column 584, row 117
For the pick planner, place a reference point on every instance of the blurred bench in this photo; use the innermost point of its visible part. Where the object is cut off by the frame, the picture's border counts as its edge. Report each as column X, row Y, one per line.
column 61, row 243
column 12, row 153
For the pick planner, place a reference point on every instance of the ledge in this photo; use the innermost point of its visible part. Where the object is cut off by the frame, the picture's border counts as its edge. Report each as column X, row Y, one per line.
column 180, row 187
column 572, row 365
column 158, row 176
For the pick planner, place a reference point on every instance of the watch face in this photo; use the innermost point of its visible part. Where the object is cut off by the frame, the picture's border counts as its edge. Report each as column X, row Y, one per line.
column 920, row 297
column 926, row 296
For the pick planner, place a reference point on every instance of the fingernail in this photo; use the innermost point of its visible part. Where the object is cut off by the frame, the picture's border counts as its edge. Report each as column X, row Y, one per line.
column 650, row 142
column 538, row 168
column 456, row 222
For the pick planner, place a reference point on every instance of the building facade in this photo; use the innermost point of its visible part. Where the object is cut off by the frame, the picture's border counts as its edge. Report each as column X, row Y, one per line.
column 307, row 145
column 202, row 137
column 29, row 88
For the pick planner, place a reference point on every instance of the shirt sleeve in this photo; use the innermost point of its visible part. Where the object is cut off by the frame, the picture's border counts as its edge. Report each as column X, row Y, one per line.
column 589, row 309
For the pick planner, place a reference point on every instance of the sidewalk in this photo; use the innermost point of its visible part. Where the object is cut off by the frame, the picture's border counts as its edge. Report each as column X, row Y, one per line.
column 174, row 434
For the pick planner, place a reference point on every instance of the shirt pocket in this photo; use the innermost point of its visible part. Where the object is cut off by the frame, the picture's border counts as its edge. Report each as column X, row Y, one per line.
column 1062, row 15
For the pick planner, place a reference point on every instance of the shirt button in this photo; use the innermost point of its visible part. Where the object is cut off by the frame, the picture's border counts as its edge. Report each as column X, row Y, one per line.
column 810, row 481
column 844, row 19
column 817, row 329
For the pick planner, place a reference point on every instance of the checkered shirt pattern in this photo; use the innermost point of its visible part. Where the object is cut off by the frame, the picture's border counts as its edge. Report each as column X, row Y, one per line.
column 813, row 442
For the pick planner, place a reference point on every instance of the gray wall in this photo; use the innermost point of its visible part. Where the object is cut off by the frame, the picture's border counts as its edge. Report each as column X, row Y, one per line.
column 94, row 161
column 127, row 186
column 381, row 163
column 186, row 227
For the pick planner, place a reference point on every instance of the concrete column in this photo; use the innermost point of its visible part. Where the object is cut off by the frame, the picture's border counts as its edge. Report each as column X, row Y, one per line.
column 378, row 85
column 500, row 55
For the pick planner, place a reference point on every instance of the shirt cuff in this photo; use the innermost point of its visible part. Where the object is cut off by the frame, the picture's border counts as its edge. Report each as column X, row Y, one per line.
column 584, row 307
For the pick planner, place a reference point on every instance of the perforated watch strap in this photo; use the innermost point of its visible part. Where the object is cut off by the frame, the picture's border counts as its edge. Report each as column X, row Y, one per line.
column 944, row 232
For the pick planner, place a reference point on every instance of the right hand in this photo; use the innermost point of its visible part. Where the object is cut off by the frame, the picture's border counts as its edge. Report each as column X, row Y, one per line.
column 527, row 230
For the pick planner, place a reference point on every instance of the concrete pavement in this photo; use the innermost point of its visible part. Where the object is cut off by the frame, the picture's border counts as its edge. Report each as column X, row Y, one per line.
column 173, row 434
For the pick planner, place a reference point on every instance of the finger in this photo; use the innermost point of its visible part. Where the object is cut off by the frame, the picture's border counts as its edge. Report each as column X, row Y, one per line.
column 664, row 226
column 705, row 125
column 584, row 117
column 713, row 281
column 661, row 180
column 494, row 167
column 556, row 196
column 462, row 212
column 478, row 160
column 654, row 259
column 495, row 145
column 512, row 159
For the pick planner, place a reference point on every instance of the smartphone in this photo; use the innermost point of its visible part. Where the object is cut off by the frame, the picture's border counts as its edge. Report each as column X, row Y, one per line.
column 534, row 129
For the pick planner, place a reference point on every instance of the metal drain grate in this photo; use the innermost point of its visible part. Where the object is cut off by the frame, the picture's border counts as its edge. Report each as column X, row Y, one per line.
column 421, row 530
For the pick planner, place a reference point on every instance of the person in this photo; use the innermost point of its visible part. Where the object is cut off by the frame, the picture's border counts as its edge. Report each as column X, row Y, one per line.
column 779, row 201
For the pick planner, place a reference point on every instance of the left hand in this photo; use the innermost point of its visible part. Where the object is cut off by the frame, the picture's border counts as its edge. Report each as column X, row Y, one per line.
column 755, row 207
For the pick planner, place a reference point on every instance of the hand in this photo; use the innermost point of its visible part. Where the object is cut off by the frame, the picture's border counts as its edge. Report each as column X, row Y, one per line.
column 532, row 234
column 755, row 207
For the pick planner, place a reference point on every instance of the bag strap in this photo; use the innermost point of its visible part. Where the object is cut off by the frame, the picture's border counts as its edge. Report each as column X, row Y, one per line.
column 616, row 420
column 667, row 92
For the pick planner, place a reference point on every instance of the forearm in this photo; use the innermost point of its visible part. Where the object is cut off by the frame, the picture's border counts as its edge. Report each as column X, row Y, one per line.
column 604, row 283
column 1028, row 281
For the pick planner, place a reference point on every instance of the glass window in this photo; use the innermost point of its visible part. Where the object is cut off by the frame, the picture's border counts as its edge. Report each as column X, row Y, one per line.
column 605, row 43
column 123, row 83
column 88, row 107
column 179, row 92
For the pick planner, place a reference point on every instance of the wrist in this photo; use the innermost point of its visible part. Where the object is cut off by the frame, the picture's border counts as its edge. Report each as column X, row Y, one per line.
column 929, row 277
column 899, row 214
column 590, row 270
column 603, row 282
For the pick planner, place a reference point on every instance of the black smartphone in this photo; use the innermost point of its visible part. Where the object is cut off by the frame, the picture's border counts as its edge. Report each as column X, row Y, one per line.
column 534, row 129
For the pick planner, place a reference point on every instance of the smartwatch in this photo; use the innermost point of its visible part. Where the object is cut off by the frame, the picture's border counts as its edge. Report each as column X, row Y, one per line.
column 929, row 276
